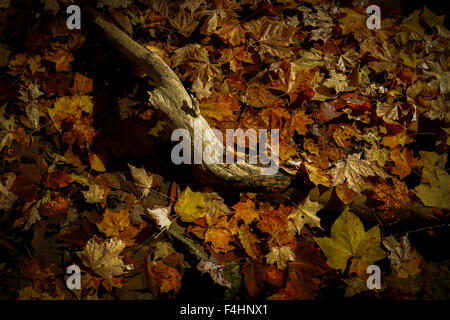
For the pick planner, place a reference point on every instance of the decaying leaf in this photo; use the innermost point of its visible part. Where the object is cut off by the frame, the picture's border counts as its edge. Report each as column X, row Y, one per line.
column 353, row 170
column 305, row 214
column 403, row 257
column 103, row 257
column 215, row 270
column 7, row 198
column 281, row 256
column 30, row 96
column 161, row 216
column 94, row 194
column 141, row 179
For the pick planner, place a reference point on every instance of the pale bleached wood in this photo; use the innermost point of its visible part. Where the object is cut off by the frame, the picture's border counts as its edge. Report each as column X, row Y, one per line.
column 181, row 110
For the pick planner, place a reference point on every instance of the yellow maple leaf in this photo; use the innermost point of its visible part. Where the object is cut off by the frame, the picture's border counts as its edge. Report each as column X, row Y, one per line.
column 69, row 107
column 190, row 205
column 350, row 240
column 113, row 223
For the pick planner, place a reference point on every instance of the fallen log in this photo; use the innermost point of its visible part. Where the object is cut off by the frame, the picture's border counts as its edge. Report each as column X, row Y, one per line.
column 182, row 111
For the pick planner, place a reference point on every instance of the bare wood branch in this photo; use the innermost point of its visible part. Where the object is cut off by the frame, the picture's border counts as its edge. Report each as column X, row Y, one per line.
column 181, row 109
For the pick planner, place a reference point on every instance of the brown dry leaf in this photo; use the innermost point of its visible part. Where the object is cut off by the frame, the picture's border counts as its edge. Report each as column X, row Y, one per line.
column 305, row 213
column 51, row 5
column 30, row 96
column 337, row 81
column 256, row 275
column 280, row 255
column 94, row 194
column 353, row 169
column 58, row 179
column 317, row 175
column 96, row 163
column 273, row 37
column 232, row 31
column 114, row 4
column 299, row 121
column 385, row 52
column 399, row 139
column 184, row 22
column 81, row 85
column 258, row 96
column 388, row 111
column 220, row 107
column 403, row 257
column 214, row 202
column 235, row 57
column 68, row 110
column 321, row 20
column 304, row 274
column 192, row 5
column 7, row 198
column 122, row 19
column 440, row 109
column 163, row 278
column 354, row 22
column 345, row 193
column 103, row 257
column 55, row 207
column 195, row 63
column 201, row 90
column 290, row 80
column 17, row 63
column 60, row 55
column 276, row 223
column 215, row 270
column 394, row 198
column 220, row 238
column 142, row 180
column 343, row 135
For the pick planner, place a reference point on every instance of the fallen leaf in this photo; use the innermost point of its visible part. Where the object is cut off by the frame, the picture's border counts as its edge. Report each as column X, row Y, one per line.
column 249, row 242
column 403, row 257
column 161, row 215
column 349, row 240
column 304, row 274
column 94, row 194
column 103, row 257
column 305, row 214
column 215, row 270
column 114, row 223
column 142, row 180
column 281, row 256
column 190, row 205
column 353, row 169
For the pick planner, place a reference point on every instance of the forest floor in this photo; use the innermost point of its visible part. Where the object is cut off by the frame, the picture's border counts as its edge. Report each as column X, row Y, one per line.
column 87, row 179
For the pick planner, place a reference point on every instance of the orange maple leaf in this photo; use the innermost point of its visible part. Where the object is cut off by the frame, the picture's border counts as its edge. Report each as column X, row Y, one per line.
column 404, row 161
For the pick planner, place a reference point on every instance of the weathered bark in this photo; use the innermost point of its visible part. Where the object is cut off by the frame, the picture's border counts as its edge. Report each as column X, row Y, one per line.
column 181, row 110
